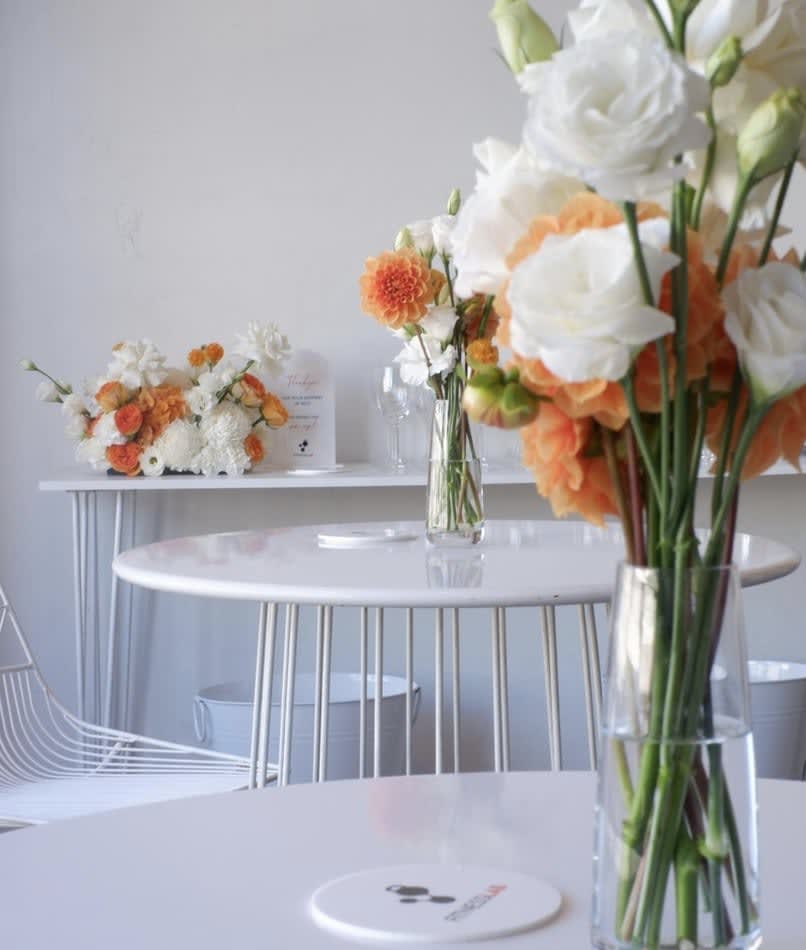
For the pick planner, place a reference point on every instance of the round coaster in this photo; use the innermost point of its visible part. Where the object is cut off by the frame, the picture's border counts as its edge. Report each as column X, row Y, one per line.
column 363, row 538
column 433, row 903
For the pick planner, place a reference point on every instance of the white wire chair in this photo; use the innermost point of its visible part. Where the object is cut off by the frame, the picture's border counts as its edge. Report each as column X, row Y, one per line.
column 54, row 765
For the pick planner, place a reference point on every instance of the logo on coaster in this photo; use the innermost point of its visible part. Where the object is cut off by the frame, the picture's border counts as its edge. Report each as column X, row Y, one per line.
column 414, row 894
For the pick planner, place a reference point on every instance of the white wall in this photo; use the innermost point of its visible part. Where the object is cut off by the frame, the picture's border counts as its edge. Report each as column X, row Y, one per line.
column 175, row 168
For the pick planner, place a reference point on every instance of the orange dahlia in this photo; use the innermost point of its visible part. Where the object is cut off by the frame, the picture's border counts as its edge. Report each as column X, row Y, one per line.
column 160, row 406
column 557, row 449
column 396, row 287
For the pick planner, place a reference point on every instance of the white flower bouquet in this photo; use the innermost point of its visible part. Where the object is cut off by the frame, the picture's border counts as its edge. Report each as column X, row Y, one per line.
column 143, row 417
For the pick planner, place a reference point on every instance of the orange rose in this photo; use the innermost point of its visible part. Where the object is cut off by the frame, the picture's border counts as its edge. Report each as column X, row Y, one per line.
column 250, row 391
column 196, row 358
column 128, row 419
column 124, row 458
column 397, row 287
column 213, row 352
column 254, row 448
column 273, row 412
column 111, row 396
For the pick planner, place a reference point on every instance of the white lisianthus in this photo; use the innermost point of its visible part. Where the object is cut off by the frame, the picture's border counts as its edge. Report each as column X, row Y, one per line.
column 179, row 445
column 265, row 346
column 423, row 357
column 106, row 432
column 92, row 452
column 152, row 464
column 595, row 18
column 615, row 111
column 442, row 228
column 47, row 391
column 578, row 306
column 439, row 323
column 137, row 364
column 421, row 236
column 510, row 191
column 74, row 411
column 766, row 322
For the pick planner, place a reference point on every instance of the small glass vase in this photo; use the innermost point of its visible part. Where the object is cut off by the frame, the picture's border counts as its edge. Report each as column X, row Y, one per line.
column 675, row 855
column 455, row 501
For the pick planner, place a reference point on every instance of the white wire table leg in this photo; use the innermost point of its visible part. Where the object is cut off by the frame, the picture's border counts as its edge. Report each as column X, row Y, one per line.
column 126, row 655
column 78, row 597
column 455, row 694
column 378, row 701
column 548, row 623
column 111, row 643
column 439, row 650
column 504, row 672
column 496, row 671
column 283, row 686
column 317, row 691
column 267, row 674
column 596, row 670
column 292, row 616
column 586, row 678
column 327, row 643
column 409, row 682
column 362, row 702
column 93, row 569
column 257, row 695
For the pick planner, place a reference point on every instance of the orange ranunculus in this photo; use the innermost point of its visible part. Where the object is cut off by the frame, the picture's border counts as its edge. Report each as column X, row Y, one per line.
column 160, row 405
column 556, row 449
column 111, row 396
column 254, row 448
column 473, row 316
column 273, row 412
column 213, row 352
column 482, row 353
column 125, row 458
column 128, row 419
column 249, row 390
column 196, row 357
column 396, row 287
column 782, row 432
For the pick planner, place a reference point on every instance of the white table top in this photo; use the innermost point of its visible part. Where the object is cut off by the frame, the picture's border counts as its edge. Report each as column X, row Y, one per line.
column 519, row 563
column 351, row 475
column 237, row 870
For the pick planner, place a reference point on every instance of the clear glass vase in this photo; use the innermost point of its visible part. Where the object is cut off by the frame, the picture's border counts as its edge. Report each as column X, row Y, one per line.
column 455, row 501
column 675, row 855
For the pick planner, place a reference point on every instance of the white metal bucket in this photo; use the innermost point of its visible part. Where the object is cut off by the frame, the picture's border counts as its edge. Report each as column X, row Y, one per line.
column 778, row 696
column 222, row 716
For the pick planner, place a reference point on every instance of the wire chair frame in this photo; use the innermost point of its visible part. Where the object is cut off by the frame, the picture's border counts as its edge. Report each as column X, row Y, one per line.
column 54, row 764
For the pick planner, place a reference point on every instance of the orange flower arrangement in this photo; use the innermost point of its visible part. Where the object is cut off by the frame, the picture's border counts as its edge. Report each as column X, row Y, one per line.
column 396, row 287
column 125, row 458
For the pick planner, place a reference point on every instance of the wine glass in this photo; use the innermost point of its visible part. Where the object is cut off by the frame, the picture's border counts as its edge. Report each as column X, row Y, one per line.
column 393, row 399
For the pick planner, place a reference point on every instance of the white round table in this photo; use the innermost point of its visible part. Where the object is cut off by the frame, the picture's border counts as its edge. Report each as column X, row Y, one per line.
column 238, row 870
column 518, row 563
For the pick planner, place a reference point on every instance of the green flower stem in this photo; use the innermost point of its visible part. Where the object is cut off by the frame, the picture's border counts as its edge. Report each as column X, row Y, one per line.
column 699, row 434
column 707, row 173
column 746, row 185
column 661, row 23
column 485, row 316
column 62, row 390
column 687, row 872
column 446, row 263
column 803, row 263
column 779, row 207
column 222, row 394
column 618, row 487
column 681, row 498
column 640, row 435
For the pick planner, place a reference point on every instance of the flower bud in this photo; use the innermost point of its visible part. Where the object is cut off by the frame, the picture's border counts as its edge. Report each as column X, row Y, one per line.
column 771, row 136
column 46, row 391
column 518, row 406
column 524, row 37
column 403, row 239
column 28, row 365
column 481, row 397
column 481, row 353
column 724, row 61
column 454, row 202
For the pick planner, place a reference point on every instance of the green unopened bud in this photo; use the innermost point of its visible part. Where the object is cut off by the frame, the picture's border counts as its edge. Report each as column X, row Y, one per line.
column 524, row 37
column 724, row 61
column 482, row 396
column 519, row 406
column 684, row 8
column 771, row 136
column 28, row 365
column 454, row 201
column 403, row 239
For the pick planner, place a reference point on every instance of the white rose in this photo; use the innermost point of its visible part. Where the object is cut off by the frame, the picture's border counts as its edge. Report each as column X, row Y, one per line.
column 510, row 191
column 620, row 136
column 46, row 391
column 578, row 306
column 423, row 357
column 595, row 18
column 439, row 323
column 106, row 432
column 766, row 322
column 421, row 236
column 442, row 228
